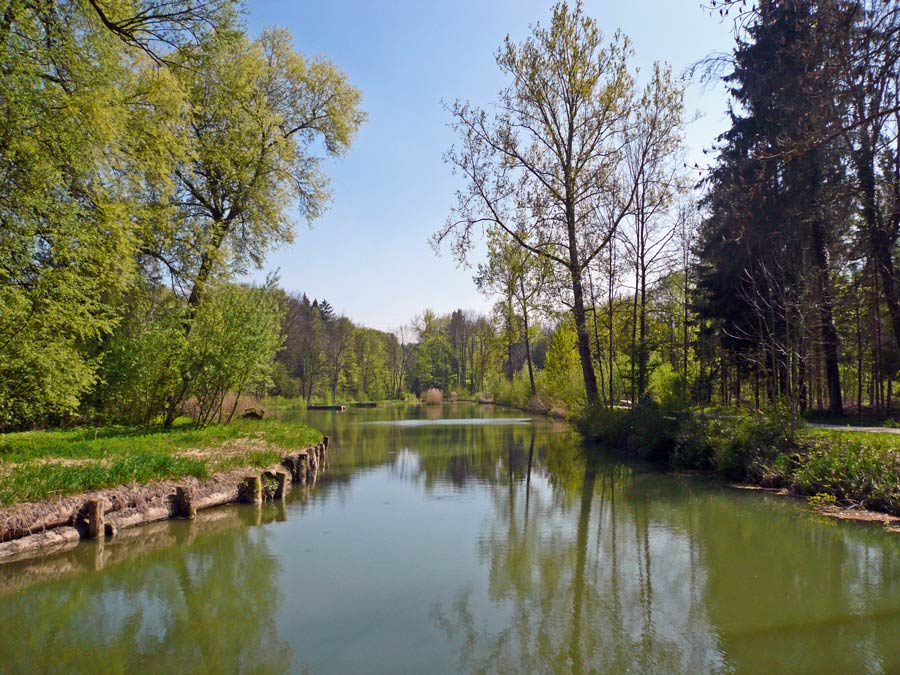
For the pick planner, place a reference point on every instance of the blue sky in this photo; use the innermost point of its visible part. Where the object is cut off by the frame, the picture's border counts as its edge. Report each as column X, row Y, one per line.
column 369, row 254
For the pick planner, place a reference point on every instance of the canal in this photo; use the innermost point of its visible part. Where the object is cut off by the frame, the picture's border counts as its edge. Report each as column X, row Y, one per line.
column 466, row 538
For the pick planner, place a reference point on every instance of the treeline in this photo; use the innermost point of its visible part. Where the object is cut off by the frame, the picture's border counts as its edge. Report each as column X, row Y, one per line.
column 327, row 358
column 797, row 255
column 772, row 282
column 150, row 152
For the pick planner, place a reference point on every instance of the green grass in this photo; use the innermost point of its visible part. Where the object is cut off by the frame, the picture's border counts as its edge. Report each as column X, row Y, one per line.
column 854, row 467
column 37, row 465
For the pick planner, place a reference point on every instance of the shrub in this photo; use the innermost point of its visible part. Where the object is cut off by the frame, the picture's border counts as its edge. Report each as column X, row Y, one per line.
column 646, row 431
column 603, row 425
column 738, row 446
column 851, row 470
column 515, row 393
column 433, row 396
column 652, row 432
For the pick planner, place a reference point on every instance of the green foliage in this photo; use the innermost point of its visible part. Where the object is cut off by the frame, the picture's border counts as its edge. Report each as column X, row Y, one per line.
column 562, row 381
column 121, row 173
column 516, row 392
column 668, row 387
column 64, row 247
column 852, row 470
column 737, row 445
column 606, row 426
column 144, row 357
column 646, row 431
column 232, row 346
column 822, row 500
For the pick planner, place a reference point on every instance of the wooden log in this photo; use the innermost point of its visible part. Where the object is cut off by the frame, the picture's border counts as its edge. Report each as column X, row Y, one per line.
column 94, row 510
column 289, row 462
column 251, row 490
column 224, row 496
column 184, row 500
column 131, row 517
column 57, row 539
column 63, row 515
column 326, row 440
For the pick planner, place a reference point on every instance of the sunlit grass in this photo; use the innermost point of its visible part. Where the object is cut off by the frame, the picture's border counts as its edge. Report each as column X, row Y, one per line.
column 38, row 465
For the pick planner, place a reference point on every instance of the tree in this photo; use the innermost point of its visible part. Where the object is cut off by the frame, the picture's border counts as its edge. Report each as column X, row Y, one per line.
column 232, row 348
column 538, row 167
column 653, row 169
column 72, row 131
column 776, row 193
column 256, row 112
column 515, row 273
column 338, row 340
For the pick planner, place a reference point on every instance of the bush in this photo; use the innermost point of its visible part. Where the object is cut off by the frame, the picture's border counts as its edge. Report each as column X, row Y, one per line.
column 606, row 426
column 738, row 446
column 865, row 472
column 433, row 396
column 646, row 431
column 652, row 432
column 515, row 393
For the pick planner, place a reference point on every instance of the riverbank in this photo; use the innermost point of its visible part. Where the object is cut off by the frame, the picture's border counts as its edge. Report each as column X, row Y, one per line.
column 40, row 465
column 62, row 486
column 837, row 470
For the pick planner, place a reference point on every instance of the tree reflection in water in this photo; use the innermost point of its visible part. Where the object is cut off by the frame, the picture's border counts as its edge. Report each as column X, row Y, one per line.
column 475, row 547
column 206, row 608
column 556, row 552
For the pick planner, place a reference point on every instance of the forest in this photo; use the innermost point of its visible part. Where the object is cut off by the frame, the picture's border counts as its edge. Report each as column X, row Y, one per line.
column 153, row 153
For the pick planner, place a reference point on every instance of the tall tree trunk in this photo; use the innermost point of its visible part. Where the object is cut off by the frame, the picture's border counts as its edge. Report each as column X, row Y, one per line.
column 881, row 239
column 634, row 338
column 610, row 310
column 527, row 338
column 584, row 341
column 597, row 337
column 830, row 341
column 642, row 336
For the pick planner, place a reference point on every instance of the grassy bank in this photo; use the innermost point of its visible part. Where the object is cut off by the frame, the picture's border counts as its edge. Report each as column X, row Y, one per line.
column 39, row 465
column 847, row 467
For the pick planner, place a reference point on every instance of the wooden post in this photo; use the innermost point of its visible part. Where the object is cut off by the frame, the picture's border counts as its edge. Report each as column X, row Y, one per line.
column 95, row 508
column 184, row 498
column 325, row 440
column 290, row 463
column 281, row 490
column 302, row 467
column 251, row 490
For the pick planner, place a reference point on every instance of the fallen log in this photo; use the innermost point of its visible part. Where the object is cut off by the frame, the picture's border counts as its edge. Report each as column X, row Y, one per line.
column 131, row 517
column 58, row 539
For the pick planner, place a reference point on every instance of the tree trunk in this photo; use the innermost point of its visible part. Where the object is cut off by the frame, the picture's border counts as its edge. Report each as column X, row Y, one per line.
column 527, row 339
column 642, row 336
column 584, row 341
column 830, row 342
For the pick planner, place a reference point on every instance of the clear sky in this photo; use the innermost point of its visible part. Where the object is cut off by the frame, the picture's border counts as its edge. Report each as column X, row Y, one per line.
column 369, row 255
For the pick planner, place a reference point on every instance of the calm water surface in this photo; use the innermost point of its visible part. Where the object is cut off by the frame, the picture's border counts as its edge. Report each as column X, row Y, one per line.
column 440, row 542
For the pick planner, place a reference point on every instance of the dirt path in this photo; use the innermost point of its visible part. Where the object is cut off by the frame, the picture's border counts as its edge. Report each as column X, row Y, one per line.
column 870, row 430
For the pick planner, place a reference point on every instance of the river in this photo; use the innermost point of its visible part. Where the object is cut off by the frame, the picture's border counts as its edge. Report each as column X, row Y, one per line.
column 464, row 538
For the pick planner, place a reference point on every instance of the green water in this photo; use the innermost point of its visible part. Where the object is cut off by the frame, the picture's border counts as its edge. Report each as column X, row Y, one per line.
column 441, row 543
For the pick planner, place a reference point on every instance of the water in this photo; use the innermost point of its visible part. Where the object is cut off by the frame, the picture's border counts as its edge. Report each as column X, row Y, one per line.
column 429, row 547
